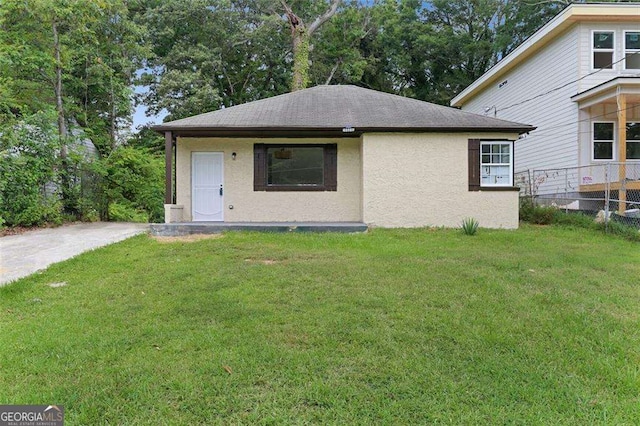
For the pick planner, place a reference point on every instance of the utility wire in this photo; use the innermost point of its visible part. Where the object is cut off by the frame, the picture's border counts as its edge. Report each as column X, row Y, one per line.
column 567, row 84
column 543, row 131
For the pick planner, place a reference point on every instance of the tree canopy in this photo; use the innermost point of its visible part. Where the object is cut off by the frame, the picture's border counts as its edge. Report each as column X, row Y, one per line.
column 80, row 60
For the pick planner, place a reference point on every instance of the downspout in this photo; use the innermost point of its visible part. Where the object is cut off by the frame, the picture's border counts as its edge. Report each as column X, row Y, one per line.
column 169, row 143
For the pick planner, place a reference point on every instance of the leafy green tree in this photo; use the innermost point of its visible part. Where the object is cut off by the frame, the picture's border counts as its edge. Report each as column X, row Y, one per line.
column 133, row 182
column 210, row 54
column 29, row 161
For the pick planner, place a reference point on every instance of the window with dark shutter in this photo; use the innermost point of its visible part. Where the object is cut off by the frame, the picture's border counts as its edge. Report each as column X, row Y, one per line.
column 295, row 167
column 474, row 164
column 491, row 165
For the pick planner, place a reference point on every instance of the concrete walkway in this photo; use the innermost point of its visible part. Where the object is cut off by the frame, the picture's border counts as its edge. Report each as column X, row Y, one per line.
column 24, row 254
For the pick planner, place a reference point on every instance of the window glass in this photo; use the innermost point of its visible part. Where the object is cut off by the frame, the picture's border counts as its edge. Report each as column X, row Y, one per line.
column 632, row 50
column 633, row 141
column 495, row 164
column 603, row 131
column 603, row 40
column 603, row 141
column 602, row 151
column 632, row 40
column 298, row 166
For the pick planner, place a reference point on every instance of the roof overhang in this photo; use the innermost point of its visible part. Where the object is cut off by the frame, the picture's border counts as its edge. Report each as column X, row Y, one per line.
column 249, row 132
column 585, row 12
column 608, row 91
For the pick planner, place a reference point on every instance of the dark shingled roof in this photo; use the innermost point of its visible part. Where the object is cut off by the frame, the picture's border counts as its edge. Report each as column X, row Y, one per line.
column 332, row 108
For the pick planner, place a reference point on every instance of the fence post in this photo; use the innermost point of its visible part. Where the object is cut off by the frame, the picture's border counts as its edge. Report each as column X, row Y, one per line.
column 566, row 191
column 607, row 188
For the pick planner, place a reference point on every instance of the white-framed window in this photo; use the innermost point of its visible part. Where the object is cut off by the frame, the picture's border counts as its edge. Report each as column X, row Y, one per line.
column 632, row 50
column 603, row 138
column 602, row 46
column 633, row 141
column 496, row 163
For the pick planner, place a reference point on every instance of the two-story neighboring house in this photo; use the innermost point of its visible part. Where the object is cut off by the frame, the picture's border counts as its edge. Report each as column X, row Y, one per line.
column 577, row 79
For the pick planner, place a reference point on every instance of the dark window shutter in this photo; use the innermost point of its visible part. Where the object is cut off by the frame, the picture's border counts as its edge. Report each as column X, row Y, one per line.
column 259, row 167
column 331, row 167
column 474, row 164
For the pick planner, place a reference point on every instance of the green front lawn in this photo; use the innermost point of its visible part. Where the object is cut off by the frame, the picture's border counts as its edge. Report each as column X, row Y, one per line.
column 535, row 326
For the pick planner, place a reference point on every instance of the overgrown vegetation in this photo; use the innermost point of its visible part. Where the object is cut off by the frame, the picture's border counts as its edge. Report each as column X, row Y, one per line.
column 127, row 185
column 549, row 215
column 390, row 327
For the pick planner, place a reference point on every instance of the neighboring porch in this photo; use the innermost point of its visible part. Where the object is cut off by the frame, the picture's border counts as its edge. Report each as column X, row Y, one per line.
column 189, row 228
column 609, row 130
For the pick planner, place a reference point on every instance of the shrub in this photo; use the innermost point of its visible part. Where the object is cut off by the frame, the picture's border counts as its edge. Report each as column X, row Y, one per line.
column 539, row 215
column 621, row 229
column 126, row 213
column 134, row 181
column 470, row 226
column 28, row 171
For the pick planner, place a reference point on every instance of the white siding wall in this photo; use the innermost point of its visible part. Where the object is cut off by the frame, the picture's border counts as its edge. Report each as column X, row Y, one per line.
column 555, row 143
column 585, row 31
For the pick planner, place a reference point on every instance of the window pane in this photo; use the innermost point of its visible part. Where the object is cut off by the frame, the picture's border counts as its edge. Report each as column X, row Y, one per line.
column 632, row 61
column 602, row 60
column 633, row 150
column 602, row 40
column 633, row 131
column 495, row 167
column 632, row 40
column 603, row 150
column 603, row 131
column 493, row 175
column 295, row 166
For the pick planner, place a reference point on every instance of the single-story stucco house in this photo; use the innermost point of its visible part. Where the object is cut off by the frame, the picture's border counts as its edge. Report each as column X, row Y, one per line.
column 334, row 154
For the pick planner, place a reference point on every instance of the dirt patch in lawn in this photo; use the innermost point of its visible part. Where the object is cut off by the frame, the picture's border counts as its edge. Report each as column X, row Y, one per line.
column 187, row 238
column 262, row 261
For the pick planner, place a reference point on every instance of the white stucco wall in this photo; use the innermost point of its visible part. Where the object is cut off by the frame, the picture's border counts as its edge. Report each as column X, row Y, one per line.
column 414, row 180
column 260, row 206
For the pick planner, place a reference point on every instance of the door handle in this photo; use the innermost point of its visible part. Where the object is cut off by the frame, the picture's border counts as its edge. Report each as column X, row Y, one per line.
column 221, row 190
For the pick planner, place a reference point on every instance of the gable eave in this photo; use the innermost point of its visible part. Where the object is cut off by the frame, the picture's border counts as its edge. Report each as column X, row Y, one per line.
column 614, row 12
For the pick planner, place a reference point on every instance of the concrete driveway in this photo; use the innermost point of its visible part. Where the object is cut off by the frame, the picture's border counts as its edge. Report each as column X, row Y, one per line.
column 24, row 254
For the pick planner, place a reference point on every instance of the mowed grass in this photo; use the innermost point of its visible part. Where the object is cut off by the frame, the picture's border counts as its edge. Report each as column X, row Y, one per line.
column 535, row 326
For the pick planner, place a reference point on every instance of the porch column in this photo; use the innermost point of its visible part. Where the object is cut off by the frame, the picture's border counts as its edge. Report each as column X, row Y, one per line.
column 168, row 161
column 622, row 151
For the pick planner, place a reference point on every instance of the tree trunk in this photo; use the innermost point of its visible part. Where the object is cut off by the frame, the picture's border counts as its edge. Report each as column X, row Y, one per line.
column 301, row 38
column 300, row 78
column 62, row 125
column 63, row 133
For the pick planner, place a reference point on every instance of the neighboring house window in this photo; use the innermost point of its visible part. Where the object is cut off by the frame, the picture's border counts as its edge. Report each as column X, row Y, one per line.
column 603, row 42
column 632, row 50
column 490, row 164
column 495, row 164
column 633, row 141
column 295, row 167
column 603, row 141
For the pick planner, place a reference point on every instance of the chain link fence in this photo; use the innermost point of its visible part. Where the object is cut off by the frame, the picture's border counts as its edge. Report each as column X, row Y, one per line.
column 609, row 191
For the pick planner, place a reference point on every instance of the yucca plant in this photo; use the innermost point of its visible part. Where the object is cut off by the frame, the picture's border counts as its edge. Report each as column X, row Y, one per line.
column 470, row 226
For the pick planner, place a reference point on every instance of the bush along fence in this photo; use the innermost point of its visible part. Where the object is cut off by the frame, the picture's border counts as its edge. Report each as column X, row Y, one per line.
column 608, row 191
column 38, row 187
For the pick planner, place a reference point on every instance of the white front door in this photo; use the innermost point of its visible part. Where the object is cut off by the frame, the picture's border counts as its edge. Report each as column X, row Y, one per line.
column 207, row 186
